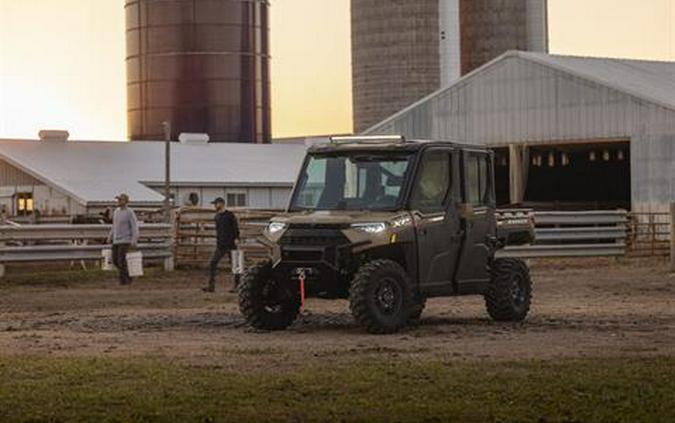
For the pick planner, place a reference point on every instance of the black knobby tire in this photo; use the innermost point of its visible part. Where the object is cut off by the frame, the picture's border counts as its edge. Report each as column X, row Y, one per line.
column 419, row 302
column 381, row 296
column 264, row 302
column 509, row 293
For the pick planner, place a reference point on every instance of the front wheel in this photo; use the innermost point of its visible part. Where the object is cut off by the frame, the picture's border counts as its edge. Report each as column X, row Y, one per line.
column 509, row 293
column 381, row 297
column 266, row 303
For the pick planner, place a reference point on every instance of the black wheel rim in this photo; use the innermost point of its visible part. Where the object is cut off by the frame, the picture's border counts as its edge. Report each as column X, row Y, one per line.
column 518, row 290
column 272, row 296
column 388, row 298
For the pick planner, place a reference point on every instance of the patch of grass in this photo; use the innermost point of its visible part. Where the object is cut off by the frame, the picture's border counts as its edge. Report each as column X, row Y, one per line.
column 107, row 390
column 56, row 277
column 68, row 278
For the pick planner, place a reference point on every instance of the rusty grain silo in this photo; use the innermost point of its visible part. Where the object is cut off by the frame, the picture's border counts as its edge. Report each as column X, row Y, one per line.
column 201, row 64
column 488, row 28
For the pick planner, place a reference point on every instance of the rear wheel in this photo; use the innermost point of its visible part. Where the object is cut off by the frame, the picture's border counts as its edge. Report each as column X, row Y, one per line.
column 509, row 293
column 265, row 302
column 381, row 297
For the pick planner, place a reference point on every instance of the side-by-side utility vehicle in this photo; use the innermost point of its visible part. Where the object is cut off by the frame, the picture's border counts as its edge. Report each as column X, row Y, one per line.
column 387, row 223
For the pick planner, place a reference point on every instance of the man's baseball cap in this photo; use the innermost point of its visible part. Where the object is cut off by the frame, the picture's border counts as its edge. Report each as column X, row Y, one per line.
column 218, row 200
column 122, row 196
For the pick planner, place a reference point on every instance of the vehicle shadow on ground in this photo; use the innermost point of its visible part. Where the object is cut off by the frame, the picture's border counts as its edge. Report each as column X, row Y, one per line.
column 208, row 321
column 308, row 322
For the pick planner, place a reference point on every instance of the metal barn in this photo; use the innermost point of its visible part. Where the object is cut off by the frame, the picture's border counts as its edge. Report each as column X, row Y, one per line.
column 569, row 132
column 61, row 177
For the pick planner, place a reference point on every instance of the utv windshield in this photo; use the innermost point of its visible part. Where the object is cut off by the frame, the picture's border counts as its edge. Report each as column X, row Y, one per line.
column 357, row 181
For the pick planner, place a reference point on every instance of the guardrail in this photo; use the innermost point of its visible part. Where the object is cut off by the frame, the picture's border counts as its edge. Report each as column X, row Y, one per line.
column 575, row 234
column 63, row 243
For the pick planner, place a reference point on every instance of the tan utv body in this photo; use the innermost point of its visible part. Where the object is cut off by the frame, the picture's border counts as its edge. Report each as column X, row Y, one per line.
column 387, row 223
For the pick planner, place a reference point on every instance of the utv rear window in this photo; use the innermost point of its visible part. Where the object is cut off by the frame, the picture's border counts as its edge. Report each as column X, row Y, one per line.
column 478, row 191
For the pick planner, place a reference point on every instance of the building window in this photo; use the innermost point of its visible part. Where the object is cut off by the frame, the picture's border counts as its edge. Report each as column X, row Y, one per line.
column 24, row 203
column 236, row 199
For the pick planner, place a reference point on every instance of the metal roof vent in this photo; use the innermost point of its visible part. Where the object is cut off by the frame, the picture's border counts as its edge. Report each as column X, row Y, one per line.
column 188, row 138
column 53, row 135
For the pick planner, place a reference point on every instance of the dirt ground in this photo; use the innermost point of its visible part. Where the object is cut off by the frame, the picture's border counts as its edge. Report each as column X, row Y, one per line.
column 581, row 308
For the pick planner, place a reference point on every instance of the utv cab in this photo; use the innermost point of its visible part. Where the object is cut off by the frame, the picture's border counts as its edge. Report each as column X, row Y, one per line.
column 387, row 223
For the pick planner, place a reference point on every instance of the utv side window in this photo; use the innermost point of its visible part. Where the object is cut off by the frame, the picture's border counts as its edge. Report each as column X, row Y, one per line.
column 432, row 185
column 478, row 191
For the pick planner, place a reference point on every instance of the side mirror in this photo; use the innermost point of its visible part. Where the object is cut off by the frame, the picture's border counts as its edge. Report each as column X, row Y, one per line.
column 466, row 210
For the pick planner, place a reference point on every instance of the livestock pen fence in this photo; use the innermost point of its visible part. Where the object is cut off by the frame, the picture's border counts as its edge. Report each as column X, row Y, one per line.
column 648, row 234
column 190, row 239
column 195, row 236
column 558, row 234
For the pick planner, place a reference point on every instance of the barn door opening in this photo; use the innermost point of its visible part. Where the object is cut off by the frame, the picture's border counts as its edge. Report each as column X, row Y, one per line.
column 575, row 176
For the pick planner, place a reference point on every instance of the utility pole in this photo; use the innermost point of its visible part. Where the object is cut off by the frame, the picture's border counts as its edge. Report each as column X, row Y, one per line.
column 166, row 125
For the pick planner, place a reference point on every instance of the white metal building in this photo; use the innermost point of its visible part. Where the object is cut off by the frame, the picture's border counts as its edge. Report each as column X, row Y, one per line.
column 566, row 129
column 83, row 177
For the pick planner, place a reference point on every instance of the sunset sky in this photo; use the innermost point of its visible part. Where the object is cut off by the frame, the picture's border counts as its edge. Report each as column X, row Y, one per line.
column 62, row 61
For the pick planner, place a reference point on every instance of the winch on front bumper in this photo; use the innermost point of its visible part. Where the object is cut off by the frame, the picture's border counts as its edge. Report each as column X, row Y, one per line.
column 322, row 253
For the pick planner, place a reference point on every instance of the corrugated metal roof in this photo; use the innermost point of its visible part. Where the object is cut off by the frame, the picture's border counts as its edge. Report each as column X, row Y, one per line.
column 92, row 171
column 653, row 81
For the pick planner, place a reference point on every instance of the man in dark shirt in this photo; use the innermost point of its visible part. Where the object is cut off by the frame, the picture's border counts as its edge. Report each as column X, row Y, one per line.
column 227, row 235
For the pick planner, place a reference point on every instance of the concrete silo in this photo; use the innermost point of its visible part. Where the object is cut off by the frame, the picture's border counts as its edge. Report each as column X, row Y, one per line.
column 395, row 57
column 202, row 64
column 405, row 50
column 489, row 28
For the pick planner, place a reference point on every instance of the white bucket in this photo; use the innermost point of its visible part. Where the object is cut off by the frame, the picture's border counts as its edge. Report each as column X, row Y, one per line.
column 106, row 259
column 237, row 262
column 135, row 263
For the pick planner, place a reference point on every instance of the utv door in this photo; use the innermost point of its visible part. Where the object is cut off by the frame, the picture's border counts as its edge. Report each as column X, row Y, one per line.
column 477, row 220
column 437, row 230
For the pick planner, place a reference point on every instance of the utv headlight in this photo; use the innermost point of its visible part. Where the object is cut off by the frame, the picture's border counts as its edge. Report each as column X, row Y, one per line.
column 275, row 227
column 371, row 228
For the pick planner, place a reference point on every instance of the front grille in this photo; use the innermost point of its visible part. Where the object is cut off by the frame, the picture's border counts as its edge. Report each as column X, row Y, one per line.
column 329, row 226
column 301, row 243
column 311, row 241
column 303, row 256
column 314, row 237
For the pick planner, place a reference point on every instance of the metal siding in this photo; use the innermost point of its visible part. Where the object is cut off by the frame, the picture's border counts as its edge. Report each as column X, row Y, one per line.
column 258, row 198
column 280, row 197
column 209, row 194
column 11, row 176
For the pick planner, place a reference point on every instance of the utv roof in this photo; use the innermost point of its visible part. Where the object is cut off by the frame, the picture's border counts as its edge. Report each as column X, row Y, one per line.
column 383, row 142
